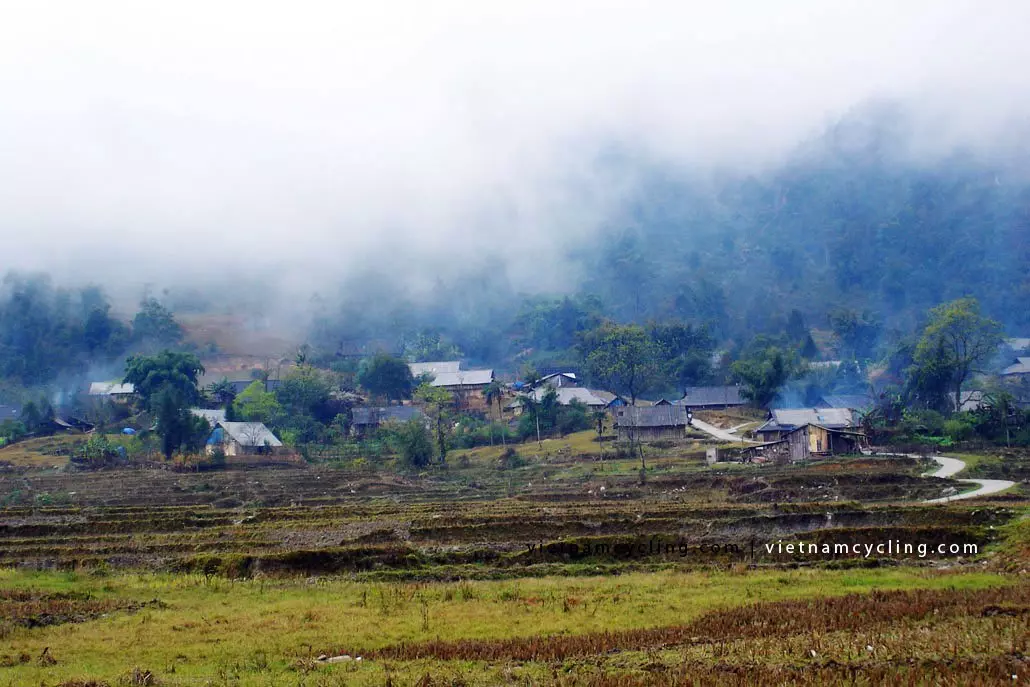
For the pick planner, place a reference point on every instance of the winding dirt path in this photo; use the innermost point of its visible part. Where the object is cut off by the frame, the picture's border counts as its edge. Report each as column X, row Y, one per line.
column 723, row 434
column 952, row 466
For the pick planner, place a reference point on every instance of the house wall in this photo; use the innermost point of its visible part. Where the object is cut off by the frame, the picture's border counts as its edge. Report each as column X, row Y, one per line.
column 818, row 440
column 798, row 445
column 650, row 433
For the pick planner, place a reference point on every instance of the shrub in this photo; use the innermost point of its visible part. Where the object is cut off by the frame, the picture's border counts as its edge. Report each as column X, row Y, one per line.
column 510, row 459
column 958, row 429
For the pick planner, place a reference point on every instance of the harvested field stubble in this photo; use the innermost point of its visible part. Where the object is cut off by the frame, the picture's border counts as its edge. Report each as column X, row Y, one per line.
column 776, row 619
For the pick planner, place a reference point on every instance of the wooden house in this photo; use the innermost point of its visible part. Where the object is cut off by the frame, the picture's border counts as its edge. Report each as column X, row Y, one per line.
column 365, row 421
column 243, row 438
column 807, row 442
column 711, row 397
column 785, row 420
column 650, row 423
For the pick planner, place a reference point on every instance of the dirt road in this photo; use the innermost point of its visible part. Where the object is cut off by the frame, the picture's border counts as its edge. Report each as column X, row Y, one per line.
column 952, row 466
column 714, row 431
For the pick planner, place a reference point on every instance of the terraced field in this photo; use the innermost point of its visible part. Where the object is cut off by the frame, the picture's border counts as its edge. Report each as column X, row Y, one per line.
column 564, row 570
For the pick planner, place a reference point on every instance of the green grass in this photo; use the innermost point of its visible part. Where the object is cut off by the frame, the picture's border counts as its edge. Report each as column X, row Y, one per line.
column 252, row 632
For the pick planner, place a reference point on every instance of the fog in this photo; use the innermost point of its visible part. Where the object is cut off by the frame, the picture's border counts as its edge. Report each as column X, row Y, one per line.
column 298, row 144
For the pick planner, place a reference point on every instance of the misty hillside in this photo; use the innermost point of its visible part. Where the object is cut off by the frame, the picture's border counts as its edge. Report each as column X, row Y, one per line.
column 853, row 220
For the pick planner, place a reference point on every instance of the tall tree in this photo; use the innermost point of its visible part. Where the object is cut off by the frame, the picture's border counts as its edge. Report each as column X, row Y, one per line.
column 623, row 358
column 436, row 401
column 255, row 404
column 685, row 352
column 387, row 377
column 151, row 373
column 176, row 425
column 856, row 333
column 494, row 393
column 155, row 326
column 764, row 372
column 958, row 340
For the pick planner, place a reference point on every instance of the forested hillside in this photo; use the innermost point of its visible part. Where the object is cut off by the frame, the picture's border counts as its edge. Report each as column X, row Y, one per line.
column 856, row 222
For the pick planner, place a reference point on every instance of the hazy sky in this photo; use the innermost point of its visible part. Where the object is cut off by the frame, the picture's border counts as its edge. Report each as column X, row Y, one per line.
column 151, row 140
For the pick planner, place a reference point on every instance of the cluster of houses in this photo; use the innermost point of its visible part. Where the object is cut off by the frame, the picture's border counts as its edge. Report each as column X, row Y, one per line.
column 789, row 434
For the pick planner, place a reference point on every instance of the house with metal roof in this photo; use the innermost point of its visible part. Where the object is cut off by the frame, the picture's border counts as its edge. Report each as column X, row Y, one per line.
column 434, row 368
column 711, row 397
column 594, row 399
column 243, row 438
column 558, row 380
column 1020, row 367
column 213, row 416
column 366, row 420
column 649, row 423
column 111, row 389
column 806, row 442
column 784, row 420
column 861, row 403
column 9, row 414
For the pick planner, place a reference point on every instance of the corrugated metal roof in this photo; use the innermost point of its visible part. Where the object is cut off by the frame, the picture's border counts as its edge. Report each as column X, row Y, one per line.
column 110, row 388
column 213, row 416
column 375, row 416
column 567, row 395
column 250, row 433
column 700, row 396
column 464, row 378
column 434, row 368
column 1020, row 367
column 651, row 416
column 791, row 418
column 851, row 401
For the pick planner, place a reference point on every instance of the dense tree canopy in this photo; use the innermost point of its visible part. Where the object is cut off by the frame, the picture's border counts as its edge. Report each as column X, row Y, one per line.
column 151, row 373
column 386, row 376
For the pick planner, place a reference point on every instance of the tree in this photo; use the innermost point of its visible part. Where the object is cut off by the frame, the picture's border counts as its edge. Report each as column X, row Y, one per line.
column 686, row 352
column 176, row 425
column 254, row 404
column 155, row 325
column 856, row 333
column 957, row 342
column 413, row 442
column 151, row 373
column 436, row 401
column 385, row 376
column 494, row 391
column 621, row 357
column 222, row 392
column 764, row 372
column 429, row 345
column 305, row 391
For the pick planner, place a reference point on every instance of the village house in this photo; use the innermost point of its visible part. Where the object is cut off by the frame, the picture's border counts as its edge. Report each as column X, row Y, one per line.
column 593, row 399
column 650, row 423
column 243, row 438
column 785, row 420
column 115, row 391
column 806, row 442
column 557, row 380
column 9, row 414
column 711, row 398
column 857, row 403
column 365, row 421
column 213, row 416
column 1019, row 368
column 467, row 386
column 434, row 368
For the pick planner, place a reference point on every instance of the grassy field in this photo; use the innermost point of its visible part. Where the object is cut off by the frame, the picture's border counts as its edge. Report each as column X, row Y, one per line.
column 560, row 567
column 189, row 629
